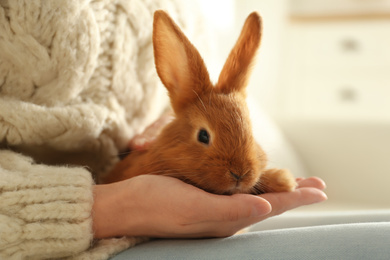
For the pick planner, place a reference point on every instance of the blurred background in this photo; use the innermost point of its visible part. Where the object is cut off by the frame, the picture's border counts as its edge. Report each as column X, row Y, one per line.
column 323, row 77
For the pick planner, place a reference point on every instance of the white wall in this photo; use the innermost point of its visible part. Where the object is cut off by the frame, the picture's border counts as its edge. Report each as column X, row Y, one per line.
column 335, row 94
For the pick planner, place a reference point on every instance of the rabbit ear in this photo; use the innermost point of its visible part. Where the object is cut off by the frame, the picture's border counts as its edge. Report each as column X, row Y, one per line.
column 178, row 63
column 237, row 68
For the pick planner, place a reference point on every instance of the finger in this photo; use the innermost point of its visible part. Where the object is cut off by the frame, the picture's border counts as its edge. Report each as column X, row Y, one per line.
column 284, row 201
column 143, row 140
column 241, row 206
column 225, row 215
column 313, row 182
column 155, row 128
column 137, row 143
column 219, row 208
column 140, row 143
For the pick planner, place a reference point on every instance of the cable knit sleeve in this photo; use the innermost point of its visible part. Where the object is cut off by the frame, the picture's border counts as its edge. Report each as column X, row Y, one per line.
column 45, row 211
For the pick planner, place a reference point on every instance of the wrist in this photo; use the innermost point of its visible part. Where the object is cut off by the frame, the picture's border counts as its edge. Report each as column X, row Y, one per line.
column 108, row 220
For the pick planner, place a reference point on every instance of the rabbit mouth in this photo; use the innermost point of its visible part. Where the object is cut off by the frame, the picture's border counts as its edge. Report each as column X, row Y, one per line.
column 235, row 188
column 238, row 188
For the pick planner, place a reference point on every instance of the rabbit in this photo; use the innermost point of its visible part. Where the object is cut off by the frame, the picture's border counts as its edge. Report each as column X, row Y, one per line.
column 209, row 144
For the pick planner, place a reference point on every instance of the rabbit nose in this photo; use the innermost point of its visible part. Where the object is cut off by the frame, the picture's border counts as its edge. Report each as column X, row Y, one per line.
column 235, row 176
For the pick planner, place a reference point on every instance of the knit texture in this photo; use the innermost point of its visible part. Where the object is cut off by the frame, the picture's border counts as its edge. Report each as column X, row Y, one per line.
column 77, row 81
column 42, row 216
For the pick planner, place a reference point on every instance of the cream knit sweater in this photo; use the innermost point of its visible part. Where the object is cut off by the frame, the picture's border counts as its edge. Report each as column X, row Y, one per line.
column 77, row 80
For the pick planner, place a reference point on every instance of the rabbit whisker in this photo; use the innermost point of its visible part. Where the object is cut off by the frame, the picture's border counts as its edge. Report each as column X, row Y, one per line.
column 261, row 188
column 201, row 101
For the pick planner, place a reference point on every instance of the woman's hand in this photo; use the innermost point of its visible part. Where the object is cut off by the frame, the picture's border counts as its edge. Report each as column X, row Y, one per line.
column 159, row 206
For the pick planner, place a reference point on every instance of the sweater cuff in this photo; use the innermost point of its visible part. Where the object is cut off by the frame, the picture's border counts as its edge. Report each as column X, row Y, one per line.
column 45, row 211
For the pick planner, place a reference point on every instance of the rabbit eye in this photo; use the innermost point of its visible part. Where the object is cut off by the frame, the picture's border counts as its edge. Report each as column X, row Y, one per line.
column 203, row 136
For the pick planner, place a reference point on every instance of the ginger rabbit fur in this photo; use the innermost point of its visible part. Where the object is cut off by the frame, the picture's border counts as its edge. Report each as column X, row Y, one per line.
column 209, row 144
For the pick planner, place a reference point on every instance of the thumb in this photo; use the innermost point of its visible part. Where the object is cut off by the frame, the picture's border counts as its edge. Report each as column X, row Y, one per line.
column 239, row 206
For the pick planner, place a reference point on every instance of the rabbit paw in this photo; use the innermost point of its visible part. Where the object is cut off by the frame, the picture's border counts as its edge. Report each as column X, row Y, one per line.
column 276, row 180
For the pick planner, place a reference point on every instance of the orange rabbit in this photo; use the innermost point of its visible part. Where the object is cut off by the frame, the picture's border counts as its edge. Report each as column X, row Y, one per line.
column 209, row 144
